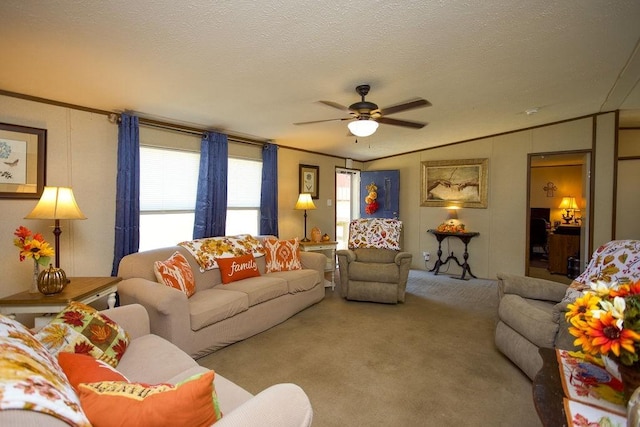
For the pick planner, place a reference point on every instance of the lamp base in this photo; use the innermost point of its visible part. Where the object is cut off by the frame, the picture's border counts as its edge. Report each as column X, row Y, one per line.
column 305, row 239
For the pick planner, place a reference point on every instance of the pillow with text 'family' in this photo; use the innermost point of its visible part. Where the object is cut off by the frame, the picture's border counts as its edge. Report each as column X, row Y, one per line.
column 232, row 269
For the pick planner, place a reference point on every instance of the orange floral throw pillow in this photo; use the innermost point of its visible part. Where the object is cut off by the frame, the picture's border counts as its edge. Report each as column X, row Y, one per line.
column 191, row 403
column 82, row 368
column 80, row 328
column 282, row 255
column 232, row 269
column 176, row 273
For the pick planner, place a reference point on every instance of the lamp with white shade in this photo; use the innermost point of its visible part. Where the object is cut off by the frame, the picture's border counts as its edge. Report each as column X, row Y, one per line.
column 56, row 203
column 305, row 203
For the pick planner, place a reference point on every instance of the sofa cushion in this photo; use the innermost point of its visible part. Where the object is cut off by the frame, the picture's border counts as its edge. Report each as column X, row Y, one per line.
column 282, row 255
column 205, row 251
column 32, row 379
column 176, row 273
column 82, row 368
column 237, row 268
column 533, row 319
column 259, row 289
column 213, row 305
column 80, row 328
column 298, row 280
column 374, row 272
column 191, row 403
column 375, row 255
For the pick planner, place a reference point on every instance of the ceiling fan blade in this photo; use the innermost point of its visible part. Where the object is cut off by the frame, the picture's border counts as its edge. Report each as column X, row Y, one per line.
column 320, row 121
column 404, row 123
column 335, row 105
column 418, row 103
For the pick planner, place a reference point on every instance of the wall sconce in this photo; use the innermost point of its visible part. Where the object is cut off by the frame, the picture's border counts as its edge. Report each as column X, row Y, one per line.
column 305, row 202
column 56, row 203
column 568, row 203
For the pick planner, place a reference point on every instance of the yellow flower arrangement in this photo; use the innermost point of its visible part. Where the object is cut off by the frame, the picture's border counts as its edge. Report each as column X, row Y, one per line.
column 606, row 320
column 33, row 247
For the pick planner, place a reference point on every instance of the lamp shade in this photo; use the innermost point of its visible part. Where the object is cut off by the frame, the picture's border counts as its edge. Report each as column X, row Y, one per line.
column 56, row 203
column 568, row 203
column 363, row 127
column 304, row 202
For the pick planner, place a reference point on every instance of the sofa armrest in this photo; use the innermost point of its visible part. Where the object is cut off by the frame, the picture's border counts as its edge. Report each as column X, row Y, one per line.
column 530, row 287
column 281, row 405
column 314, row 261
column 168, row 308
column 403, row 256
column 348, row 253
column 133, row 318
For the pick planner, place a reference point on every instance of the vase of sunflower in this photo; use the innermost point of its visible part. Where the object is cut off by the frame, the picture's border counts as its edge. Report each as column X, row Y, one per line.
column 606, row 322
column 34, row 247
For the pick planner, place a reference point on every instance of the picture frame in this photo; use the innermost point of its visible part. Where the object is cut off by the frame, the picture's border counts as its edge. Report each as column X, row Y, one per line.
column 461, row 183
column 308, row 180
column 23, row 154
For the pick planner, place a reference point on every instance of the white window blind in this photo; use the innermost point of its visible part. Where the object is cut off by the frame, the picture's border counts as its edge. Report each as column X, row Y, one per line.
column 243, row 183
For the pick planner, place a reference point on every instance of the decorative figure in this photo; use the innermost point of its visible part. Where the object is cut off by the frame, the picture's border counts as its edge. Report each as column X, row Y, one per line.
column 550, row 188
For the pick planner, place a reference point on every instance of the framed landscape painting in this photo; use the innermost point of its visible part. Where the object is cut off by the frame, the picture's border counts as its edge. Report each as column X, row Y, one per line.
column 22, row 161
column 454, row 182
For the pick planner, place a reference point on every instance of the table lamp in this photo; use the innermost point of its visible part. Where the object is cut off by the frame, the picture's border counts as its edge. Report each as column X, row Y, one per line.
column 568, row 203
column 305, row 202
column 56, row 203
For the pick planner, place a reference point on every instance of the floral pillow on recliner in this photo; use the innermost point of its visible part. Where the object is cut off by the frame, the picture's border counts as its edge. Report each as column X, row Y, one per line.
column 381, row 233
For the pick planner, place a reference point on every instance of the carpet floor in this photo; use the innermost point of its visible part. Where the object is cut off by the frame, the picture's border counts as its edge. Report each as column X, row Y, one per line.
column 428, row 362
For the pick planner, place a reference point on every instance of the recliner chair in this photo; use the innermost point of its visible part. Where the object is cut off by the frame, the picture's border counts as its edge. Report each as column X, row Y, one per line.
column 531, row 311
column 374, row 268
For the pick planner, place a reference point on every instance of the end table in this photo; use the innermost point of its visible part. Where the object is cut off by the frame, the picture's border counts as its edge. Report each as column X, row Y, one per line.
column 81, row 289
column 330, row 249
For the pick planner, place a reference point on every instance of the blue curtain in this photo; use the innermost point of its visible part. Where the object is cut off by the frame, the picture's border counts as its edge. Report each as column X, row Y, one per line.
column 269, row 193
column 127, row 230
column 211, row 199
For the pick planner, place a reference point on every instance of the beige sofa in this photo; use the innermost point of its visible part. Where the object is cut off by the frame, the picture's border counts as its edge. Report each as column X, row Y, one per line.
column 218, row 315
column 154, row 360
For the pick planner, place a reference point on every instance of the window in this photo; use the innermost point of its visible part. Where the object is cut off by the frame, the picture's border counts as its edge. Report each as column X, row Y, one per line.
column 168, row 189
column 243, row 196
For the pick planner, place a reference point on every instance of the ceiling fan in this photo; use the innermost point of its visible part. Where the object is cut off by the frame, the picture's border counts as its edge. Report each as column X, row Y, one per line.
column 366, row 115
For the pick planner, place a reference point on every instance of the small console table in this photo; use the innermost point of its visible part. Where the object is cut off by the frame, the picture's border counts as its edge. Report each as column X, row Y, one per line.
column 466, row 238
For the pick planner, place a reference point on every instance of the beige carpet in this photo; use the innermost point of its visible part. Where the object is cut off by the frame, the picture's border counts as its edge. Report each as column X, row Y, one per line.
column 428, row 362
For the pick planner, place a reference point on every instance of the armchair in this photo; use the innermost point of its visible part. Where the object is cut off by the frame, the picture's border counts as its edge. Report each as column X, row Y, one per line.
column 531, row 311
column 373, row 268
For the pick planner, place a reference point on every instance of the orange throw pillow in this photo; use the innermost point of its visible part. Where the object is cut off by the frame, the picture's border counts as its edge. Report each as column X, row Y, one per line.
column 282, row 255
column 82, row 368
column 176, row 273
column 114, row 403
column 241, row 267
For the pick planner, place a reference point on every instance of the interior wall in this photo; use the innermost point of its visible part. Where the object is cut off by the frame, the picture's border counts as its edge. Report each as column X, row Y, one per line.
column 628, row 202
column 567, row 180
column 501, row 245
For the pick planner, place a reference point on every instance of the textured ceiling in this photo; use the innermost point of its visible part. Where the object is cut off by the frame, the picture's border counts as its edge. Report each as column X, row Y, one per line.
column 254, row 67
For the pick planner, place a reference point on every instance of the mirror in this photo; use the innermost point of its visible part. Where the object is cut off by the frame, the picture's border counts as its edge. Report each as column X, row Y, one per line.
column 557, row 215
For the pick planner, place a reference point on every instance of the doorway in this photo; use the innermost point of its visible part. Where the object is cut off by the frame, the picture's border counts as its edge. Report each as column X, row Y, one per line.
column 347, row 202
column 557, row 215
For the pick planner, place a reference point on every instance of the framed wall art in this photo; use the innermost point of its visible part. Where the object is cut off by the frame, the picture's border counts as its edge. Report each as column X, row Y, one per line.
column 22, row 161
column 309, row 180
column 454, row 182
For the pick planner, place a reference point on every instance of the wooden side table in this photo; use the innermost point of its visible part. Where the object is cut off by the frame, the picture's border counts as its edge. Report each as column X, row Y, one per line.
column 325, row 247
column 465, row 238
column 81, row 289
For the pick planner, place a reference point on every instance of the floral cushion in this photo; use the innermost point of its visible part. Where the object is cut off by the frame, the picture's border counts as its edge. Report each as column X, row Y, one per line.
column 80, row 328
column 32, row 379
column 205, row 251
column 379, row 233
column 176, row 273
column 282, row 255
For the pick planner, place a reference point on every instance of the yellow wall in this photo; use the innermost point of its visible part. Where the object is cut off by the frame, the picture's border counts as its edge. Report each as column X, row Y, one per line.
column 82, row 149
column 567, row 180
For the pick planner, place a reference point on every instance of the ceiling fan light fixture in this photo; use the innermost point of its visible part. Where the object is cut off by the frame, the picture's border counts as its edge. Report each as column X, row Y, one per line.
column 363, row 127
